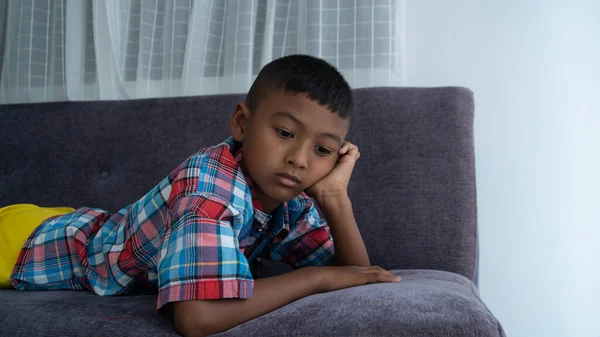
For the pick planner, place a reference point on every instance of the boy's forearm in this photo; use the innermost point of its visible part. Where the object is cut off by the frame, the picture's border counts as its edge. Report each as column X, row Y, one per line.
column 350, row 249
column 202, row 318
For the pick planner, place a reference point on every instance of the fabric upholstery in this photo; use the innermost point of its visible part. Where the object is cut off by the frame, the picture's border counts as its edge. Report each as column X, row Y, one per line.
column 425, row 303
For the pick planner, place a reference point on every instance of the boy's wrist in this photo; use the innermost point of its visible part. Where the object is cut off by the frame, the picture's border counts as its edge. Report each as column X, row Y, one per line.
column 333, row 199
column 318, row 278
column 315, row 278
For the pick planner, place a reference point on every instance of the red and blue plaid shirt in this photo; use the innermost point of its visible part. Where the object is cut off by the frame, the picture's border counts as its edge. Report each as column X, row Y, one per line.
column 190, row 238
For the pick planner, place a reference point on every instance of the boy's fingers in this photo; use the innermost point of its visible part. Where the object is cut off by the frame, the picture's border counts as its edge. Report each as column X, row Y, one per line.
column 382, row 277
column 347, row 148
column 344, row 148
column 353, row 152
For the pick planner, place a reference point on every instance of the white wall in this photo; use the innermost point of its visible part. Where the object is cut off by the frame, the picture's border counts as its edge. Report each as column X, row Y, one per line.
column 534, row 67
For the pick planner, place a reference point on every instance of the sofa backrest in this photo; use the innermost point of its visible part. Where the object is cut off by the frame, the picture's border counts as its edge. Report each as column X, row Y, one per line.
column 413, row 189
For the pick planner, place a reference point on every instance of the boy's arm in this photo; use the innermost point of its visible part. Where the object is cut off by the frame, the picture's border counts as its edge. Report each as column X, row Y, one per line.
column 205, row 317
column 350, row 248
column 331, row 193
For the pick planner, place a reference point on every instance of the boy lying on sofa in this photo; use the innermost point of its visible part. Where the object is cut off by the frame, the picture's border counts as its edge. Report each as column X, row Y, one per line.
column 201, row 238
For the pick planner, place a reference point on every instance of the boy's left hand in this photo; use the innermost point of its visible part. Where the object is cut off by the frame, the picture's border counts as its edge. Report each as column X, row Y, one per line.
column 336, row 182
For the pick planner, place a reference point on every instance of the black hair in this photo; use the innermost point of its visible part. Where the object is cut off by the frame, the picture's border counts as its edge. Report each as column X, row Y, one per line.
column 304, row 74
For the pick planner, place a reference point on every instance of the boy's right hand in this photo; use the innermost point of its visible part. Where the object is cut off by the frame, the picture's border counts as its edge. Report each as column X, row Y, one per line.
column 340, row 277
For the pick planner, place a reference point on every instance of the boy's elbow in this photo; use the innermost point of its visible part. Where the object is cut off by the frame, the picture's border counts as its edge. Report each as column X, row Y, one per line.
column 189, row 328
column 189, row 319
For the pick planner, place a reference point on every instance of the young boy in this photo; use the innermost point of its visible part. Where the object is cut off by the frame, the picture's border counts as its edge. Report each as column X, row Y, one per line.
column 193, row 237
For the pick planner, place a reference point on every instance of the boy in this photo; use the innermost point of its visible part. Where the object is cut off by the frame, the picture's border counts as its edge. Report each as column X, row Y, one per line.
column 193, row 237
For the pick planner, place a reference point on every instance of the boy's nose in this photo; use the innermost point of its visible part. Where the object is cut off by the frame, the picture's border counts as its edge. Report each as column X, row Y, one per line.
column 298, row 158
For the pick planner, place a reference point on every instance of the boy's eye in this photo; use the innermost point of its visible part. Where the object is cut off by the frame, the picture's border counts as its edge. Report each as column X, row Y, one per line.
column 323, row 151
column 284, row 133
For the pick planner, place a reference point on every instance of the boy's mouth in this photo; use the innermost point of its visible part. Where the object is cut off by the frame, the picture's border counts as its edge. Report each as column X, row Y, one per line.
column 287, row 180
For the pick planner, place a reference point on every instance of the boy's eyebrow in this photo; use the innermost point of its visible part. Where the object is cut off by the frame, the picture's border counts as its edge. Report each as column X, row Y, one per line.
column 334, row 137
column 297, row 121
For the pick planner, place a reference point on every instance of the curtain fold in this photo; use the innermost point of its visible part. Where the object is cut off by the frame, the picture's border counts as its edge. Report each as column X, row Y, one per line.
column 56, row 50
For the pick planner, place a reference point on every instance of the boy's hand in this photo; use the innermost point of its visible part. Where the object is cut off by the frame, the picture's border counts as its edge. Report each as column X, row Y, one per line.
column 336, row 182
column 335, row 278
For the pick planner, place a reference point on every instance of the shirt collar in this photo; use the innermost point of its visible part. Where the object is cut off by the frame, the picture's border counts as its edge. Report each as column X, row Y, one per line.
column 280, row 214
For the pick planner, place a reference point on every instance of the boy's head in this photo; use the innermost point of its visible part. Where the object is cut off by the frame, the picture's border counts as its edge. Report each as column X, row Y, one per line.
column 293, row 122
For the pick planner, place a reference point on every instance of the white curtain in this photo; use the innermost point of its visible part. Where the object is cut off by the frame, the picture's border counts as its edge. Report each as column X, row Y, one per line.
column 55, row 50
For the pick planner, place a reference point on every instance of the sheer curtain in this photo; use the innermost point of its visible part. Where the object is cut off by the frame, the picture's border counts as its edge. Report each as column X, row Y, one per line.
column 54, row 50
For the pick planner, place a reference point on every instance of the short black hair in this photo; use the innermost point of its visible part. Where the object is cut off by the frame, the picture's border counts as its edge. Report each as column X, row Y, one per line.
column 304, row 74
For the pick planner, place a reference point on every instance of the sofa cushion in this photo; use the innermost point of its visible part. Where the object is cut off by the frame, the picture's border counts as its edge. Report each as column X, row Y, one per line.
column 424, row 303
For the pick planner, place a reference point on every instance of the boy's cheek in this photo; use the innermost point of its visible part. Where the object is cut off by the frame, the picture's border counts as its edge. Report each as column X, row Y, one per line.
column 334, row 162
column 325, row 172
column 321, row 171
column 314, row 179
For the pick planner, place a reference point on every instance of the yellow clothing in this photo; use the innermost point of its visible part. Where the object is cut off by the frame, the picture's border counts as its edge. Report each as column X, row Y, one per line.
column 17, row 222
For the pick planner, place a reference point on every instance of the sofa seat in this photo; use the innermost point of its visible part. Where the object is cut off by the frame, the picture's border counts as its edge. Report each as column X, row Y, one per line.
column 425, row 303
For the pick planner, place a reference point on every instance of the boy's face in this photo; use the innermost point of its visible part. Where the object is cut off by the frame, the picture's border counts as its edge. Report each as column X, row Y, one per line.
column 290, row 143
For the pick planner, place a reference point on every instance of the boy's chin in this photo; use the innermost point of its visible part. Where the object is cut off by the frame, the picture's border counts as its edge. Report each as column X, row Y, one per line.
column 281, row 194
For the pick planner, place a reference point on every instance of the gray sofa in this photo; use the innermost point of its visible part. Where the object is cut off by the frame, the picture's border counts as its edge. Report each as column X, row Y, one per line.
column 413, row 192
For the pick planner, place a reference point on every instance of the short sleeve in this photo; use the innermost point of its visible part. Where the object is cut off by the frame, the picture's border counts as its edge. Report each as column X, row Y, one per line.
column 200, row 257
column 314, row 245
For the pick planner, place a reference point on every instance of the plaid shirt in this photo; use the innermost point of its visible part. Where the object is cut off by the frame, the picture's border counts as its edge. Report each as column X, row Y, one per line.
column 191, row 237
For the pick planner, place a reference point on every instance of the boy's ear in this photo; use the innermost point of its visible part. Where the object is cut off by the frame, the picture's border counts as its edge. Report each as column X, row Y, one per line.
column 239, row 121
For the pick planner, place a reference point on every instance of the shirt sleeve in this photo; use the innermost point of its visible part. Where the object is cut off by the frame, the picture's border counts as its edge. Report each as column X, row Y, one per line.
column 200, row 257
column 314, row 246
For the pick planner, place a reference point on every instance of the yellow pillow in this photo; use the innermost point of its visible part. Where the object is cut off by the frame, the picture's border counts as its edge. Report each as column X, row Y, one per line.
column 17, row 222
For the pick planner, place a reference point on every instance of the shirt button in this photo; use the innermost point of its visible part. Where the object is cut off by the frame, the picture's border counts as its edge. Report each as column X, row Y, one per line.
column 260, row 230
